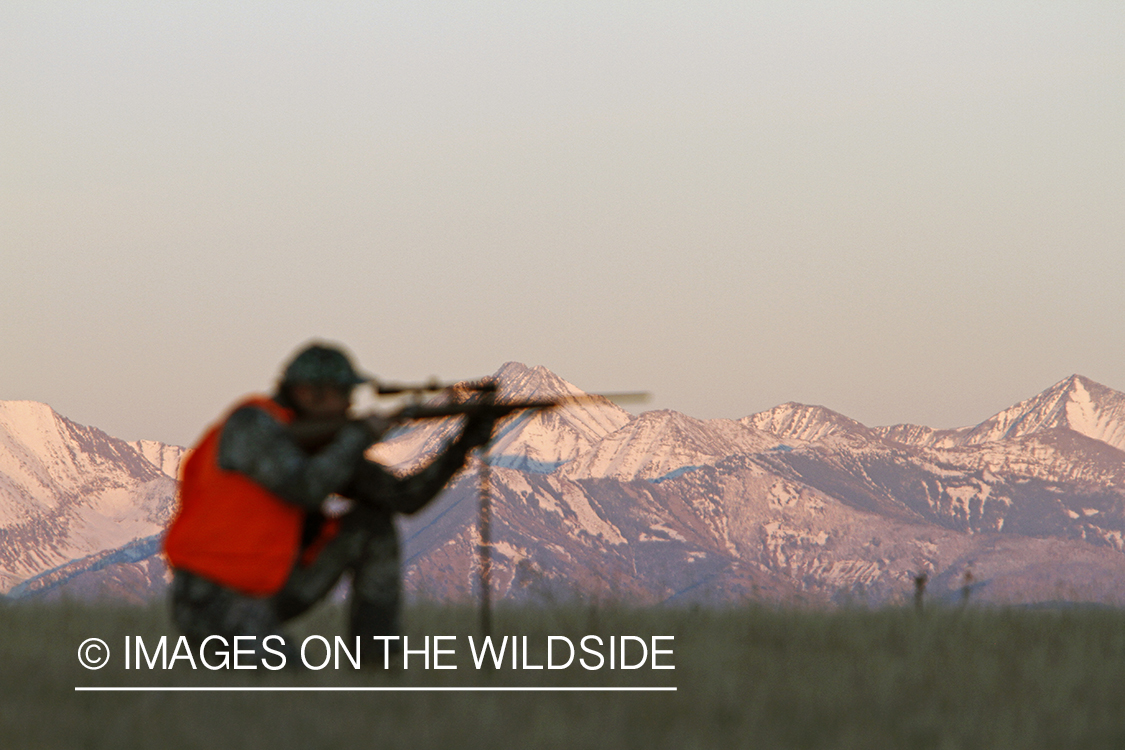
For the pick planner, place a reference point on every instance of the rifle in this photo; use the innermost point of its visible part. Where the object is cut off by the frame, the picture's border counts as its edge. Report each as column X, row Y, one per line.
column 312, row 435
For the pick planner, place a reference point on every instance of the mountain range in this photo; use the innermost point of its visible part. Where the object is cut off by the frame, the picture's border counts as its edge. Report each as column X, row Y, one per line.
column 794, row 504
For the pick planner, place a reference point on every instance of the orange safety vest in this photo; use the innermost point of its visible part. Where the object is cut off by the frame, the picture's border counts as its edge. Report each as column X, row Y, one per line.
column 230, row 529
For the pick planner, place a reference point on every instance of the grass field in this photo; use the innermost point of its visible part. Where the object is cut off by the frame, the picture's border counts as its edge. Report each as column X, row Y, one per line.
column 748, row 677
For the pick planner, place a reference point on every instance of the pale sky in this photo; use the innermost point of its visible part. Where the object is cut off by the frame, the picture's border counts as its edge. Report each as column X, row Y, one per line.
column 904, row 211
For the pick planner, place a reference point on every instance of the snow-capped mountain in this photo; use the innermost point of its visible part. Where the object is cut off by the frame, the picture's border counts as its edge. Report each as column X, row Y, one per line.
column 1076, row 403
column 802, row 501
column 795, row 503
column 799, row 424
column 67, row 490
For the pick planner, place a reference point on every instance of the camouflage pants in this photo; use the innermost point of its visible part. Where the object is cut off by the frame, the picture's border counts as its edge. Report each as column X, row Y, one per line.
column 366, row 547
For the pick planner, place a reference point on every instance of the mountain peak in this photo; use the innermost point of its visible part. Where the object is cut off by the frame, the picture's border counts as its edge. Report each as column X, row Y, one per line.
column 67, row 489
column 1076, row 403
column 517, row 380
column 27, row 415
column 549, row 438
column 804, row 423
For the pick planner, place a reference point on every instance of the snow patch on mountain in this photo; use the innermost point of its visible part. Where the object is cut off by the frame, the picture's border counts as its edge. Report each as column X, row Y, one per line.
column 165, row 457
column 922, row 436
column 577, row 509
column 658, row 444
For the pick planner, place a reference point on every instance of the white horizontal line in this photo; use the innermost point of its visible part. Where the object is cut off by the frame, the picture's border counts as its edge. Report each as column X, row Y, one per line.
column 373, row 689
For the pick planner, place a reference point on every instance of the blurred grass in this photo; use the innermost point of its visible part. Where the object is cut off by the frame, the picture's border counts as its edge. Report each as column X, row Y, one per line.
column 749, row 677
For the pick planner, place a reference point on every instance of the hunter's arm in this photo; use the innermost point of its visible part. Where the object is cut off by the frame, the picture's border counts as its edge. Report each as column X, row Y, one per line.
column 375, row 485
column 253, row 443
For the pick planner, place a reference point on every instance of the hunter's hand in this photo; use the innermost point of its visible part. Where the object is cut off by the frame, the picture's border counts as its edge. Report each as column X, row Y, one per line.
column 478, row 429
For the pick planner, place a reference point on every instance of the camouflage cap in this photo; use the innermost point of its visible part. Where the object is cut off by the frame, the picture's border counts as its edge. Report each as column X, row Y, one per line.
column 319, row 363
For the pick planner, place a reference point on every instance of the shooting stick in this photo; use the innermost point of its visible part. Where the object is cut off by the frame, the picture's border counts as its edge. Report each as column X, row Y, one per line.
column 485, row 544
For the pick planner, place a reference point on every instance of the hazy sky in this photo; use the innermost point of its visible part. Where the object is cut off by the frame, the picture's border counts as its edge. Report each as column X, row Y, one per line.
column 905, row 211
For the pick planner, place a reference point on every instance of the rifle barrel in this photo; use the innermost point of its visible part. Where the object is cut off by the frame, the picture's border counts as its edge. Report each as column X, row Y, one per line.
column 425, row 411
column 432, row 386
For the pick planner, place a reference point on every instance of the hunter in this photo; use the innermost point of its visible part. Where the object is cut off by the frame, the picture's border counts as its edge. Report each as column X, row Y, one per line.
column 251, row 546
